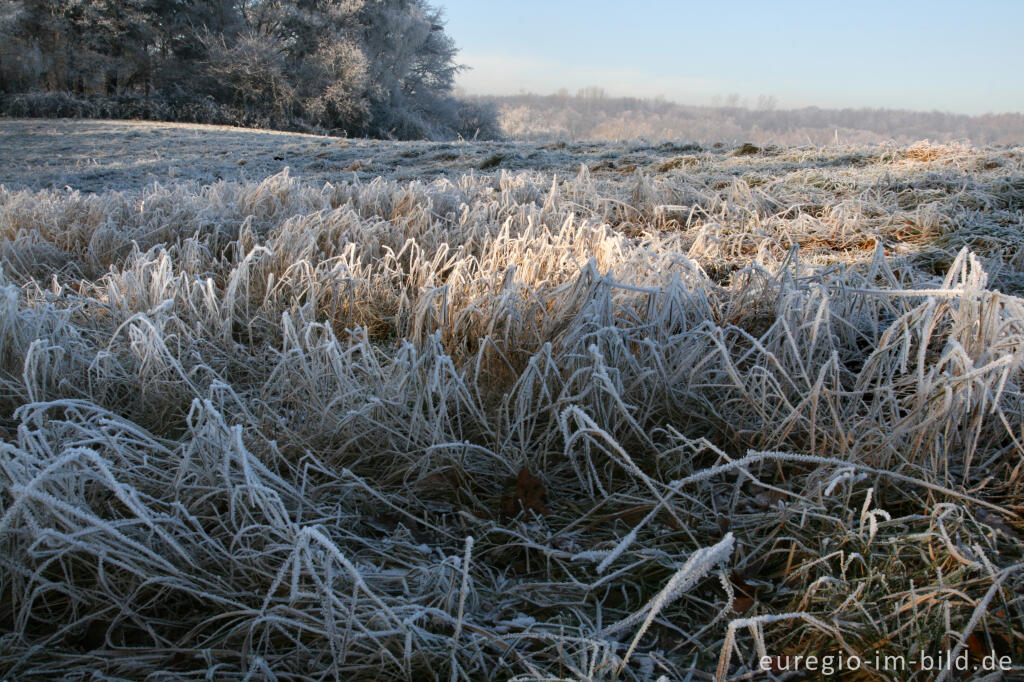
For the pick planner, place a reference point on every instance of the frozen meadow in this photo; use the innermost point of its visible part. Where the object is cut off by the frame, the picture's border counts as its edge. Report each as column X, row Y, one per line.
column 281, row 406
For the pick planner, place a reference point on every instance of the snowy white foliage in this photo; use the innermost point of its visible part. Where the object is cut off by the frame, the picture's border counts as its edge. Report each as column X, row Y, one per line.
column 268, row 429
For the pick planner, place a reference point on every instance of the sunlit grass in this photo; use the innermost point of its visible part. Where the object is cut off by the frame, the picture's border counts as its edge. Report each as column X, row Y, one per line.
column 766, row 404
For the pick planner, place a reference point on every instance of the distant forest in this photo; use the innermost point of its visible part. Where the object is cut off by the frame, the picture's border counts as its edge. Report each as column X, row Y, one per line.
column 591, row 115
column 376, row 68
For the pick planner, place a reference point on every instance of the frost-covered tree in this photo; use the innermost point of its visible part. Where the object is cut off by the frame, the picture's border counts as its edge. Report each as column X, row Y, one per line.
column 412, row 67
column 361, row 67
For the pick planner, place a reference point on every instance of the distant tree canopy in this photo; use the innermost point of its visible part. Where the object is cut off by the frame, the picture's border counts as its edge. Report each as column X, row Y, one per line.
column 382, row 68
column 594, row 115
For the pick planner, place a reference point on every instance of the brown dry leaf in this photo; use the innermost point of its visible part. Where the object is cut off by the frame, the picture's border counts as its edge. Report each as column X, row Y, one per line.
column 975, row 646
column 530, row 495
column 741, row 605
column 746, row 594
column 981, row 644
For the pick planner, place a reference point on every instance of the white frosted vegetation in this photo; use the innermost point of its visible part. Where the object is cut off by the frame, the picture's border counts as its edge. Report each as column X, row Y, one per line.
column 265, row 429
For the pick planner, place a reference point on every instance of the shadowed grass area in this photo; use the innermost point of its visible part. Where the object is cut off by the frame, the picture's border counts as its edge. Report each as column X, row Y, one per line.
column 765, row 405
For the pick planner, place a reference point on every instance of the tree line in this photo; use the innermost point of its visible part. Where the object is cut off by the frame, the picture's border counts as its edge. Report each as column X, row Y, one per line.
column 377, row 68
column 590, row 114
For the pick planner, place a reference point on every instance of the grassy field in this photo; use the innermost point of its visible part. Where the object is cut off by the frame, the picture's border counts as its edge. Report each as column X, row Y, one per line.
column 287, row 407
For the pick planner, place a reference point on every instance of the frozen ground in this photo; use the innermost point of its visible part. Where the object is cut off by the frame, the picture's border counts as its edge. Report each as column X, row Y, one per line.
column 102, row 155
column 485, row 411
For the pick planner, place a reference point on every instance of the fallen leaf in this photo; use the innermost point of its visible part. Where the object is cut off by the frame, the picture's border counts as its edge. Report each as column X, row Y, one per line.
column 530, row 495
column 975, row 646
column 741, row 605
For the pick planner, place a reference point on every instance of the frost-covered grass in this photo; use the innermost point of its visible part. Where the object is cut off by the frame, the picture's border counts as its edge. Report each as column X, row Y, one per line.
column 766, row 403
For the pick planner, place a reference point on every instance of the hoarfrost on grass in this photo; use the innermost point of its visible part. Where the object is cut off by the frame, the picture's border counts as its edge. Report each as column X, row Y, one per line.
column 272, row 427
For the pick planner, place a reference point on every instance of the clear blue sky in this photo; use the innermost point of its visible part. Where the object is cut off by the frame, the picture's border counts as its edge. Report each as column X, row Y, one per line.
column 965, row 57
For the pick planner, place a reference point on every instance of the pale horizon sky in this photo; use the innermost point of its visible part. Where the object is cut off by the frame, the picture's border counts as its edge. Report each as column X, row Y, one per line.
column 945, row 56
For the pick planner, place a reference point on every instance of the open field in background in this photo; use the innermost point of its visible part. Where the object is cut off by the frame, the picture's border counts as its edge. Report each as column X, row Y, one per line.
column 561, row 411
